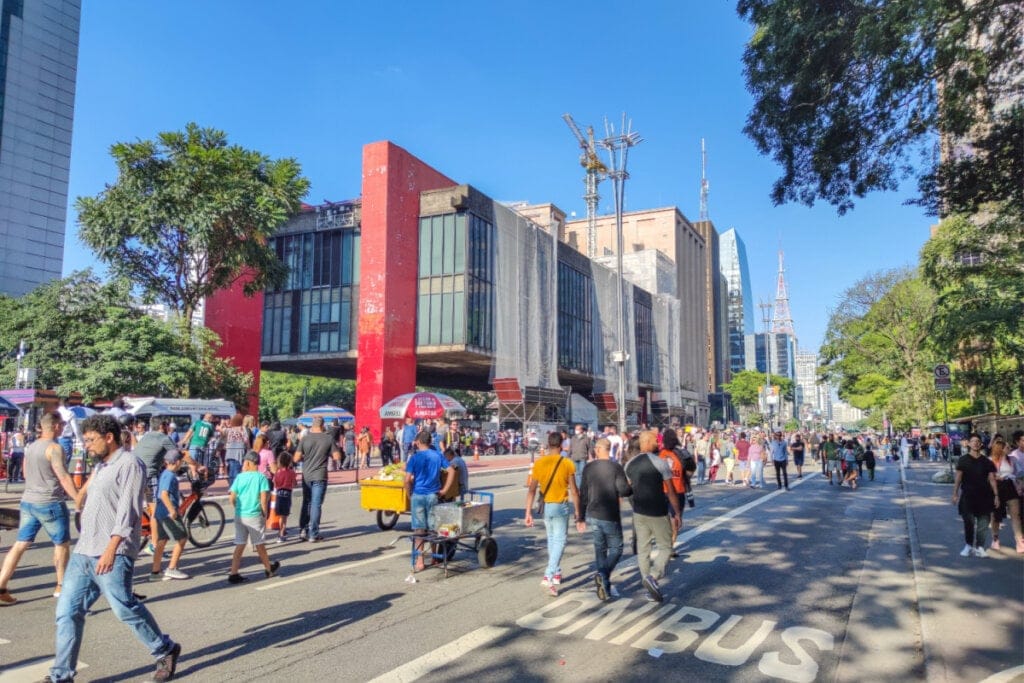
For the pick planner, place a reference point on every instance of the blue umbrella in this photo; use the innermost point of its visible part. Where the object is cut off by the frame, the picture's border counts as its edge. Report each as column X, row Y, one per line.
column 7, row 408
column 328, row 413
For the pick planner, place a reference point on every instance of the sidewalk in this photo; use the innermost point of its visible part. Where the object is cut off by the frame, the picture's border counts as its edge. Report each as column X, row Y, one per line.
column 970, row 607
column 486, row 465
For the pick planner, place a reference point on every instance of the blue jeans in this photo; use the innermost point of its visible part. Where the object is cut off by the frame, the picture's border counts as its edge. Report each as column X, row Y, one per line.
column 82, row 587
column 556, row 524
column 701, row 469
column 312, row 501
column 607, row 546
column 68, row 444
column 234, row 469
column 50, row 516
column 422, row 507
column 580, row 464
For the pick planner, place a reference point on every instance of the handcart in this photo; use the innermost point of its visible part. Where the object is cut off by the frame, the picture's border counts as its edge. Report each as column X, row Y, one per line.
column 386, row 497
column 464, row 524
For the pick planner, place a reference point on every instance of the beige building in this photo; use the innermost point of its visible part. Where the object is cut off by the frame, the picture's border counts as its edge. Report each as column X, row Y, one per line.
column 668, row 231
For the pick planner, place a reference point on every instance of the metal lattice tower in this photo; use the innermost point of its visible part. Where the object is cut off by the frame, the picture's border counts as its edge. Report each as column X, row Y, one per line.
column 782, row 321
column 703, row 182
column 596, row 172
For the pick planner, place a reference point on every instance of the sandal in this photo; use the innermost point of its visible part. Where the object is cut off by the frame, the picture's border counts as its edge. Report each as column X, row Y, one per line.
column 6, row 598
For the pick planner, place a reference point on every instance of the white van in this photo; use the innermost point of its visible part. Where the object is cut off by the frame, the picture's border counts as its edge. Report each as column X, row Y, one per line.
column 183, row 412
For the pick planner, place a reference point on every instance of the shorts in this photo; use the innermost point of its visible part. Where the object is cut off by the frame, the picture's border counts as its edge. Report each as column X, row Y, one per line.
column 283, row 502
column 798, row 460
column 53, row 517
column 167, row 528
column 250, row 529
column 422, row 508
column 834, row 466
column 742, row 465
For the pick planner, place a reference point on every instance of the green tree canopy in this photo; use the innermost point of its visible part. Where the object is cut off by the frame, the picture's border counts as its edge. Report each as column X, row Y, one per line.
column 746, row 386
column 189, row 214
column 849, row 94
column 84, row 335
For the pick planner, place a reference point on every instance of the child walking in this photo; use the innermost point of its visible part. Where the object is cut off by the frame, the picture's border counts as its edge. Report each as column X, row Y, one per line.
column 284, row 482
column 250, row 494
column 166, row 523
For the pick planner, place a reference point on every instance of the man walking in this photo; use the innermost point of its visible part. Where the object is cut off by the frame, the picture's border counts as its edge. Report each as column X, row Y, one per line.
column 780, row 459
column 648, row 474
column 604, row 483
column 579, row 451
column 42, row 505
column 104, row 558
column 555, row 476
column 407, row 437
column 313, row 451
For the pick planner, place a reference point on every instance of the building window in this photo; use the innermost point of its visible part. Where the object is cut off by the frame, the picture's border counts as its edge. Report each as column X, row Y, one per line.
column 456, row 281
column 575, row 306
column 313, row 311
column 645, row 353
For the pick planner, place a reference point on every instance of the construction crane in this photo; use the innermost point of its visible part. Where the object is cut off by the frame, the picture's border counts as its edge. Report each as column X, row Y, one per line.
column 596, row 172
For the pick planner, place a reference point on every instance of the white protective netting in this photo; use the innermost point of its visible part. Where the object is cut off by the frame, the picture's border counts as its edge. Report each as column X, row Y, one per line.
column 606, row 333
column 665, row 311
column 526, row 301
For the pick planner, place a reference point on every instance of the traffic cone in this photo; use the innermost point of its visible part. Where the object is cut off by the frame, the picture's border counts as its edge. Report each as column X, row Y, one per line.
column 476, row 454
column 78, row 475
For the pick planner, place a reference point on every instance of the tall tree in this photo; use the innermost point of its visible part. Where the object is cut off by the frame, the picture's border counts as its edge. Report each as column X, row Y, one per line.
column 190, row 214
column 746, row 386
column 849, row 94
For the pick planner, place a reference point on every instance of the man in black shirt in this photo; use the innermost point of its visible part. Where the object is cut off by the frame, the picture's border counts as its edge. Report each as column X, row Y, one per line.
column 648, row 475
column 313, row 451
column 604, row 483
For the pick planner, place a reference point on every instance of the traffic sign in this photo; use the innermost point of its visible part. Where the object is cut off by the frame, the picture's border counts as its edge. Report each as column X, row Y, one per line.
column 943, row 382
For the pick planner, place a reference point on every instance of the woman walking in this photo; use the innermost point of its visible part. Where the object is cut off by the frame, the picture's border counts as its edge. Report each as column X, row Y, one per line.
column 1009, row 498
column 975, row 494
column 756, row 457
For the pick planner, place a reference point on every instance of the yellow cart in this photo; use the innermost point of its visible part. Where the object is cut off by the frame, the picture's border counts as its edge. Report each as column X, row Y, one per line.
column 385, row 497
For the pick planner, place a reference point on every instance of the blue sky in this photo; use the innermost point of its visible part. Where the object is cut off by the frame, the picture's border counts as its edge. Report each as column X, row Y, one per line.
column 477, row 90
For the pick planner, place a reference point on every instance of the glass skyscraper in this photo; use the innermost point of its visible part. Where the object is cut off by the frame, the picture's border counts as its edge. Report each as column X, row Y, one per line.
column 38, row 65
column 740, row 300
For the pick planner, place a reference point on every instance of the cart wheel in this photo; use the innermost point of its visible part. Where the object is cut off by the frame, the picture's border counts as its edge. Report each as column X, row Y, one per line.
column 488, row 552
column 386, row 519
column 489, row 451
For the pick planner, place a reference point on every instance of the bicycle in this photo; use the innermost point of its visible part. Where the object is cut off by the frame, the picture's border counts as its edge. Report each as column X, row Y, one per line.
column 203, row 519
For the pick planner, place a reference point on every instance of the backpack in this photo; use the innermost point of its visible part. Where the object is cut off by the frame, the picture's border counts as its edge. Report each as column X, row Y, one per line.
column 685, row 459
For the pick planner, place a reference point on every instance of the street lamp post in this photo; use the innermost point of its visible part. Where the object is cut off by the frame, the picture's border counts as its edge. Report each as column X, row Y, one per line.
column 618, row 153
column 765, row 313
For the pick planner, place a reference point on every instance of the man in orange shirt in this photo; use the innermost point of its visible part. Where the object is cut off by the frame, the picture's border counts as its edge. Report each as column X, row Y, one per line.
column 556, row 477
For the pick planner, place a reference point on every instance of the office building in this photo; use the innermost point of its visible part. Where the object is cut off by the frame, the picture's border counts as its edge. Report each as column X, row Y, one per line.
column 739, row 298
column 38, row 65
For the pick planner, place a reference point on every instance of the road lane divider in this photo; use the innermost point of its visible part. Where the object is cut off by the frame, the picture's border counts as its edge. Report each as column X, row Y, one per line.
column 443, row 656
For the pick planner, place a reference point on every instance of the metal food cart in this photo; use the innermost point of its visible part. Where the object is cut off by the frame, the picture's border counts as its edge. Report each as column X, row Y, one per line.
column 464, row 524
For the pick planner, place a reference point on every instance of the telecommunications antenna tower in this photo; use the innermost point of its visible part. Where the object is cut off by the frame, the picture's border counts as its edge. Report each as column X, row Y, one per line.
column 703, row 182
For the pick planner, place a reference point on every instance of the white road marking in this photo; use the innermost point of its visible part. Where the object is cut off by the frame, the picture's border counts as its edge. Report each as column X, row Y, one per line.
column 4, row 642
column 348, row 565
column 442, row 656
column 1005, row 676
column 32, row 672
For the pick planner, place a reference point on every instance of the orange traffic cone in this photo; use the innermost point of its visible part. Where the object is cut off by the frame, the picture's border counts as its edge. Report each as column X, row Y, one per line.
column 78, row 476
column 476, row 454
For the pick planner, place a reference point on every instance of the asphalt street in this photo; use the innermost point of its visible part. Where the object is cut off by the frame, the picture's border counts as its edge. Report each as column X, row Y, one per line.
column 813, row 584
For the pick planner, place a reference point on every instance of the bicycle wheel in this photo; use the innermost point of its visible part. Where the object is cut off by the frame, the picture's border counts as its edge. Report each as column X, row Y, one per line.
column 205, row 523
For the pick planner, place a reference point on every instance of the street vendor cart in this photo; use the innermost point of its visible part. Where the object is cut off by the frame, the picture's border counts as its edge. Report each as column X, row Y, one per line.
column 386, row 497
column 465, row 524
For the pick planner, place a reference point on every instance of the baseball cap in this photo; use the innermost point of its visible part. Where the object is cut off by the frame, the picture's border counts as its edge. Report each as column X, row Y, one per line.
column 172, row 456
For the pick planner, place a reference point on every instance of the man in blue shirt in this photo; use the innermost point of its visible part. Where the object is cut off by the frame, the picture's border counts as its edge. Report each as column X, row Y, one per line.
column 780, row 459
column 408, row 436
column 423, row 484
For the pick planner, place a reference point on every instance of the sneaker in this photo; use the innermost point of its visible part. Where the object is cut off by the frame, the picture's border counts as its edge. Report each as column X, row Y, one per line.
column 995, row 544
column 236, row 578
column 303, row 535
column 980, row 552
column 147, row 549
column 6, row 598
column 155, row 576
column 176, row 574
column 56, row 591
column 614, row 592
column 279, row 539
column 651, row 584
column 165, row 665
column 546, row 582
column 274, row 566
column 602, row 592
column 966, row 552
column 1020, row 547
column 317, row 539
column 553, row 591
column 556, row 580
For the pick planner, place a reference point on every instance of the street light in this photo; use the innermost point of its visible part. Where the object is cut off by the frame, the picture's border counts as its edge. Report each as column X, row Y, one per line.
column 765, row 316
column 618, row 153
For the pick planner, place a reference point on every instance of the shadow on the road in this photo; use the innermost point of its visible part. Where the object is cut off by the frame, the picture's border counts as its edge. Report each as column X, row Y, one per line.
column 277, row 634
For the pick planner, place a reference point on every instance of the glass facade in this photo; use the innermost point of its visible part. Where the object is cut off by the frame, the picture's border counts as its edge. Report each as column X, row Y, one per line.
column 456, row 281
column 646, row 352
column 316, row 309
column 38, row 68
column 575, row 325
column 739, row 297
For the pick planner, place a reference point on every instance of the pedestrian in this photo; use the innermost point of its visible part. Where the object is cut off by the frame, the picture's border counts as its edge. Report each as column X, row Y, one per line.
column 423, row 483
column 830, row 456
column 780, row 460
column 850, row 463
column 670, row 454
column 197, row 438
column 166, row 523
column 15, row 470
column 364, row 443
column 869, row 459
column 313, row 452
column 42, row 506
column 268, row 461
column 756, row 456
column 555, row 476
column 460, row 483
column 715, row 453
column 976, row 495
column 702, row 448
column 647, row 475
column 604, row 485
column 250, row 495
column 388, row 447
column 1009, row 498
column 580, row 447
column 743, row 458
column 797, row 448
column 103, row 560
column 728, row 449
column 237, row 441
column 348, row 439
column 284, row 484
column 409, row 432
column 151, row 447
